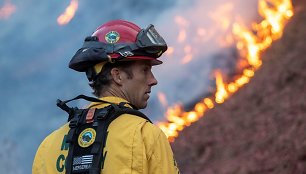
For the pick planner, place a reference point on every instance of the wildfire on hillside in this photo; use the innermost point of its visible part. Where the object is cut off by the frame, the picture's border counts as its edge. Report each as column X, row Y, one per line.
column 250, row 43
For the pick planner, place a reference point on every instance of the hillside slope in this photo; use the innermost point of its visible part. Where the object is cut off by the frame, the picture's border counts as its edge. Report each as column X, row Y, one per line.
column 262, row 128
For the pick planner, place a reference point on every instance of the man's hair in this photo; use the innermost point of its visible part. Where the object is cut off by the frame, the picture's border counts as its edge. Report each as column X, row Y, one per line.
column 104, row 78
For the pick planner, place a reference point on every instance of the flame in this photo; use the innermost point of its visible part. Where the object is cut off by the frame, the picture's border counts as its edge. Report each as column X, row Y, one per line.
column 69, row 13
column 221, row 93
column 271, row 28
column 7, row 10
column 250, row 43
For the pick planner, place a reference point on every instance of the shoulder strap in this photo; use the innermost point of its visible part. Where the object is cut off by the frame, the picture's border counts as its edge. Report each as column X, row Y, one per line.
column 121, row 109
column 100, row 142
column 71, row 111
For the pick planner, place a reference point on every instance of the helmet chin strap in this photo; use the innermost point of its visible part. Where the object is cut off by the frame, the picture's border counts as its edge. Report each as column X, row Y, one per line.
column 91, row 75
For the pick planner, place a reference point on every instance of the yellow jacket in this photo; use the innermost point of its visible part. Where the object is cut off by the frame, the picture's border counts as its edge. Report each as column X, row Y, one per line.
column 134, row 146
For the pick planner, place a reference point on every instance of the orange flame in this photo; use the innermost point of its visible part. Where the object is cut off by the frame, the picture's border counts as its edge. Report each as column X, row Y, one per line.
column 7, row 10
column 250, row 43
column 268, row 30
column 221, row 93
column 69, row 13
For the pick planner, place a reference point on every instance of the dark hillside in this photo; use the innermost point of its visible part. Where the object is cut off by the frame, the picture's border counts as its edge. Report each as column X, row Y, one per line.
column 262, row 128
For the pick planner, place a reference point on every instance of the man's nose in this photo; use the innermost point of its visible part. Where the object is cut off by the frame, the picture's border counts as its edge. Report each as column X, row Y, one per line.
column 152, row 80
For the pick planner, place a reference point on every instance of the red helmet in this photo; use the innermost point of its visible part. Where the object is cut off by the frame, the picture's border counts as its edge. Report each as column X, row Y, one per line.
column 117, row 31
column 119, row 40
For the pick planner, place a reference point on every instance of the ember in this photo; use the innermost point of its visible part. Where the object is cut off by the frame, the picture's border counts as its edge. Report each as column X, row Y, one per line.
column 69, row 13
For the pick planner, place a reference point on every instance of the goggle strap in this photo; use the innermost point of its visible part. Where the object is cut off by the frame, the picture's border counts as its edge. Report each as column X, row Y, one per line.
column 95, row 44
column 124, row 49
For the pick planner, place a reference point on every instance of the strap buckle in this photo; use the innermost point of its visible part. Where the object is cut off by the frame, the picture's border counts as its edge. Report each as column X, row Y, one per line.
column 74, row 122
column 103, row 113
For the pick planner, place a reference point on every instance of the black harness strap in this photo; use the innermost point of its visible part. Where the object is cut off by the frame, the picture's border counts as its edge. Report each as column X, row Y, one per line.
column 74, row 123
column 60, row 103
column 101, row 121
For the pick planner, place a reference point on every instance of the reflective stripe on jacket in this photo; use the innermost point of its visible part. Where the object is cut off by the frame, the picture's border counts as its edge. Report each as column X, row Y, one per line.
column 134, row 146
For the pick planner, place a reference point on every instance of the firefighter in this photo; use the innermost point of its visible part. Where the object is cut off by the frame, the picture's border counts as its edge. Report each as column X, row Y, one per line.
column 117, row 59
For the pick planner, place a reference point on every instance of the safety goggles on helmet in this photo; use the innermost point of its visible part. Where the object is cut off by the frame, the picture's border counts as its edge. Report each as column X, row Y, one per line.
column 148, row 44
column 150, row 41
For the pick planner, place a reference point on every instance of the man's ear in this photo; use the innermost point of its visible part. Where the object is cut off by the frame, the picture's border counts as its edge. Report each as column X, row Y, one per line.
column 117, row 75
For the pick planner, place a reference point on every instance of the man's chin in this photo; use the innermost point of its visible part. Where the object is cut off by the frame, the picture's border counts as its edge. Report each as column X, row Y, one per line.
column 143, row 105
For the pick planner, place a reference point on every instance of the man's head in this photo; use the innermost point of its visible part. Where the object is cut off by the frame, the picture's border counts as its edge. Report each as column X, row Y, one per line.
column 117, row 59
column 131, row 80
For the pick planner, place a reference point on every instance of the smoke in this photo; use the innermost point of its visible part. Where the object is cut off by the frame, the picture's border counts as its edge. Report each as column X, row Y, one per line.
column 200, row 40
column 35, row 51
column 9, row 158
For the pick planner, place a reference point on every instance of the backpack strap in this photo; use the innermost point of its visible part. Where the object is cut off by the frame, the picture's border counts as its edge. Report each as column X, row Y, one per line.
column 101, row 120
column 122, row 109
column 74, row 124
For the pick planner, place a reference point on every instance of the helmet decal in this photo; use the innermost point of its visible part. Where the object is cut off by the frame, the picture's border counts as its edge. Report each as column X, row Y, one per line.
column 112, row 37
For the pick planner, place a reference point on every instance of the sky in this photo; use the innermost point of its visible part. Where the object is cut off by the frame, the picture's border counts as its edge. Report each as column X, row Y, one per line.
column 35, row 51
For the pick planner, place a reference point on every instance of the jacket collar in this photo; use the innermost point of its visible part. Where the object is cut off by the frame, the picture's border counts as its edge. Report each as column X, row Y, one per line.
column 111, row 99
